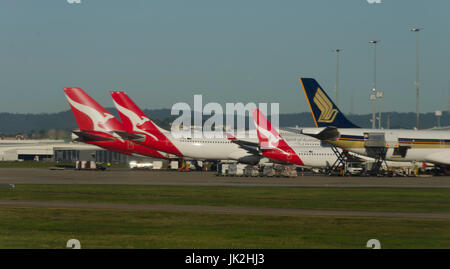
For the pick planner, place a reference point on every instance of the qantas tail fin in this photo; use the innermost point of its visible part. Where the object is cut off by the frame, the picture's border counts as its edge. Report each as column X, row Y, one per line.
column 132, row 116
column 268, row 137
column 272, row 144
column 89, row 114
column 324, row 111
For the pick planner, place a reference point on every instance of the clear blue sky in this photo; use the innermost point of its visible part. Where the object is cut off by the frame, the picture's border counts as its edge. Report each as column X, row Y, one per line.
column 163, row 52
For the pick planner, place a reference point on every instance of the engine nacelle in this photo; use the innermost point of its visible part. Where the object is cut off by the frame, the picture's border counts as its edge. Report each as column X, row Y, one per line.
column 250, row 159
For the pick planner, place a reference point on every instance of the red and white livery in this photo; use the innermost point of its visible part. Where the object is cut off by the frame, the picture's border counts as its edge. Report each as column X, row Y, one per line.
column 97, row 126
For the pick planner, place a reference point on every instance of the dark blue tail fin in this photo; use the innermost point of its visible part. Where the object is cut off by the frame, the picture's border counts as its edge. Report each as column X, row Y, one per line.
column 324, row 111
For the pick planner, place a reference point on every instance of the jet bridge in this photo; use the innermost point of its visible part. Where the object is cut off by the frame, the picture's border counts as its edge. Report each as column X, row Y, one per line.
column 375, row 145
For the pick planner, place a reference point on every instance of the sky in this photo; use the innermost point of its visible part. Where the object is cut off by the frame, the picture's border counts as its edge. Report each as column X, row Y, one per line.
column 164, row 52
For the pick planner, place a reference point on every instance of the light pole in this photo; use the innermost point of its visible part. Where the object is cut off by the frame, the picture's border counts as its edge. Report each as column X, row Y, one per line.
column 438, row 114
column 337, row 75
column 374, row 98
column 417, row 75
column 379, row 95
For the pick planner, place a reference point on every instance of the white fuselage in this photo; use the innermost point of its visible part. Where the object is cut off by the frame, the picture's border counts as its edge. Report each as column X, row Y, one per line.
column 205, row 148
column 311, row 151
column 401, row 145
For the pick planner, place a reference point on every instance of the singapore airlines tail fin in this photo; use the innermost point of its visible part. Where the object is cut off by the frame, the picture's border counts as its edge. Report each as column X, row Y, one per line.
column 272, row 144
column 325, row 113
column 89, row 114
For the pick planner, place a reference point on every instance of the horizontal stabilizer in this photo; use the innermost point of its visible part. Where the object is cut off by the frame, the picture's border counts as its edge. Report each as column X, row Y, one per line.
column 327, row 133
column 83, row 136
column 131, row 136
column 250, row 147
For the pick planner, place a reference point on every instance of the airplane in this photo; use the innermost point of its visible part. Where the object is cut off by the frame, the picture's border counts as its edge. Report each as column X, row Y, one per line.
column 299, row 152
column 97, row 126
column 141, row 130
column 432, row 146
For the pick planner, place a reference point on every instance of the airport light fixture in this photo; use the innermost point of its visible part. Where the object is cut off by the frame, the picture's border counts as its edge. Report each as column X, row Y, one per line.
column 379, row 95
column 373, row 98
column 417, row 30
column 337, row 74
column 438, row 114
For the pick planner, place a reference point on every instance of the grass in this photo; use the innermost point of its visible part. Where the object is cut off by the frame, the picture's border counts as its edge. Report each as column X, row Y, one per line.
column 31, row 164
column 365, row 199
column 98, row 228
column 51, row 228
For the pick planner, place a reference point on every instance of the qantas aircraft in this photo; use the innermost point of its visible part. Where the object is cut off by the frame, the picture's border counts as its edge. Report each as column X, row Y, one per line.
column 140, row 129
column 97, row 126
column 431, row 146
column 277, row 149
column 306, row 151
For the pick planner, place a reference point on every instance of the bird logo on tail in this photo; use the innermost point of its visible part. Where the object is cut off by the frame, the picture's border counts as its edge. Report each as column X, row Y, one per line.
column 327, row 112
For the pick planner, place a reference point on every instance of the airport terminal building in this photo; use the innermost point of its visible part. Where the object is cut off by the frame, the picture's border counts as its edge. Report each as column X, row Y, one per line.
column 58, row 151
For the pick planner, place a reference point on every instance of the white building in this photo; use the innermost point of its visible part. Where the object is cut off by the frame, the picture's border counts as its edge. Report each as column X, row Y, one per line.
column 13, row 150
column 59, row 151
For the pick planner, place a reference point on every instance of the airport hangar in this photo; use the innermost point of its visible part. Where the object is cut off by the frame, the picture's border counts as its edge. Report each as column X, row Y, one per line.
column 60, row 151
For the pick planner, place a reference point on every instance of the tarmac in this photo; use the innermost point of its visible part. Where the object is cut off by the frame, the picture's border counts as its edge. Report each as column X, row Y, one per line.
column 175, row 178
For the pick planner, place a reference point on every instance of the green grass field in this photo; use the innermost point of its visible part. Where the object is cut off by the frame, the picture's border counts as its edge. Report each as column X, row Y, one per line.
column 98, row 228
column 367, row 199
column 30, row 164
column 51, row 228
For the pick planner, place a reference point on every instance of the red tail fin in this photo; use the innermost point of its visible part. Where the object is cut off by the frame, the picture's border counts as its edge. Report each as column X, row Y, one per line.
column 272, row 144
column 132, row 116
column 268, row 136
column 88, row 113
column 134, row 120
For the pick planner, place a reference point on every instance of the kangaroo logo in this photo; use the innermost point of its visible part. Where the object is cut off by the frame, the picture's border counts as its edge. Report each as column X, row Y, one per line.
column 98, row 119
column 272, row 139
column 327, row 112
column 136, row 120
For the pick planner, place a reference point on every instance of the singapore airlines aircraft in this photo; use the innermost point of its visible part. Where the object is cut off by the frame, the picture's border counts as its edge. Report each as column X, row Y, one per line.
column 431, row 146
column 97, row 126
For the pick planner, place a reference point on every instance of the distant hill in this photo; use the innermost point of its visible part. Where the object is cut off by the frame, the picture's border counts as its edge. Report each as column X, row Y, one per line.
column 11, row 123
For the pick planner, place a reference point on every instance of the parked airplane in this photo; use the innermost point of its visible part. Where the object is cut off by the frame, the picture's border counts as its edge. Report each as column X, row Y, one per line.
column 97, row 126
column 392, row 144
column 140, row 129
column 309, row 153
